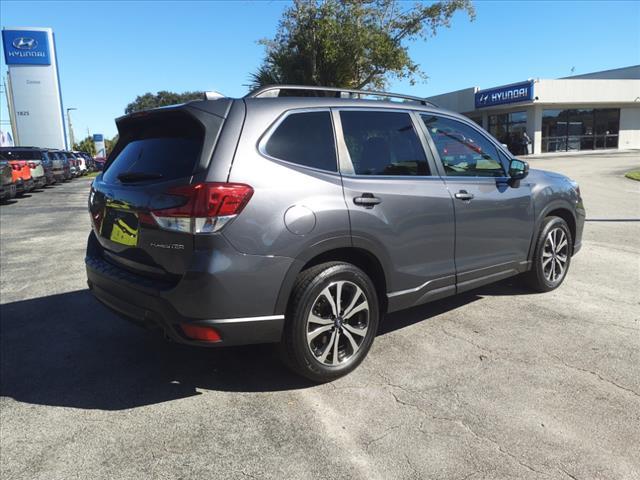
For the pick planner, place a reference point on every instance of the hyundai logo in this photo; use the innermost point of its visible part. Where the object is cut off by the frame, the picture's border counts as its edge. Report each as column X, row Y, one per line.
column 25, row 43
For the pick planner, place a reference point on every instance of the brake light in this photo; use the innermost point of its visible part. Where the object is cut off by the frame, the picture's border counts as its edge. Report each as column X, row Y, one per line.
column 33, row 165
column 16, row 166
column 202, row 333
column 208, row 207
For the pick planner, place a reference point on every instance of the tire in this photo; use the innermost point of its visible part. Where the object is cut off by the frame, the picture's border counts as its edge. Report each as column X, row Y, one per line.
column 310, row 310
column 550, row 266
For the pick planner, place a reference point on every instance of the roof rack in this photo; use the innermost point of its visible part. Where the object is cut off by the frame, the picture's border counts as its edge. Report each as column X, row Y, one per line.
column 270, row 91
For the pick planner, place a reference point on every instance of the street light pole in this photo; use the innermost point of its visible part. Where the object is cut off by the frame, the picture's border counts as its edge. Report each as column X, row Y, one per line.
column 71, row 139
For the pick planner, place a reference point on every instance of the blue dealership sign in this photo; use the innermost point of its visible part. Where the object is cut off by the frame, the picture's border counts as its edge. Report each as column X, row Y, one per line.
column 26, row 47
column 519, row 92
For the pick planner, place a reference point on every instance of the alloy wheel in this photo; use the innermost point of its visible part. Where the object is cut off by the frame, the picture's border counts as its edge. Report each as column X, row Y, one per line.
column 338, row 322
column 555, row 255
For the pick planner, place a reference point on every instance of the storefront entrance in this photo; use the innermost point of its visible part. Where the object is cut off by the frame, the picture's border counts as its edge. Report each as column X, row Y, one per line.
column 580, row 129
column 509, row 128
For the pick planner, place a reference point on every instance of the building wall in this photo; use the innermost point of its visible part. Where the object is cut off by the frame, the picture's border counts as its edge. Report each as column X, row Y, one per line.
column 582, row 92
column 458, row 101
column 629, row 128
column 618, row 88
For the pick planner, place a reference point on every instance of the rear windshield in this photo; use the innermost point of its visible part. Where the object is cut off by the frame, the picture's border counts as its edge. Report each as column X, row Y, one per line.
column 21, row 154
column 168, row 147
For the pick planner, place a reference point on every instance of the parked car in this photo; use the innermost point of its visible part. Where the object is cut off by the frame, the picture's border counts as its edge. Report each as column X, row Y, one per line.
column 20, row 171
column 99, row 163
column 73, row 164
column 47, row 164
column 33, row 157
column 90, row 164
column 81, row 163
column 60, row 165
column 303, row 220
column 7, row 186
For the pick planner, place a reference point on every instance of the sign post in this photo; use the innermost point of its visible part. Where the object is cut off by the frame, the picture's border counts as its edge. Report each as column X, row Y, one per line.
column 33, row 86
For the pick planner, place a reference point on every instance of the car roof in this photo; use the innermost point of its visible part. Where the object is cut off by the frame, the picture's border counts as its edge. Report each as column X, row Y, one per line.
column 300, row 97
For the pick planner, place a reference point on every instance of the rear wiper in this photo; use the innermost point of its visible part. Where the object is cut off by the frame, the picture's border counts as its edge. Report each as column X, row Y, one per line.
column 138, row 176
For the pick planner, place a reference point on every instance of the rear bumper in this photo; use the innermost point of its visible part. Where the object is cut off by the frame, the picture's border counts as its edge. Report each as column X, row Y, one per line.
column 40, row 182
column 8, row 191
column 155, row 313
column 241, row 315
column 28, row 185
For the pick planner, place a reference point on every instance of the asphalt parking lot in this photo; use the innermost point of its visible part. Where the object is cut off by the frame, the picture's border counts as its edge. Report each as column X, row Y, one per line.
column 497, row 383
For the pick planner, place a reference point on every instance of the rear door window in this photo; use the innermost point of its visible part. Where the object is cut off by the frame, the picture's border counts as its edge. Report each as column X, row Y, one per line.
column 163, row 148
column 383, row 143
column 306, row 139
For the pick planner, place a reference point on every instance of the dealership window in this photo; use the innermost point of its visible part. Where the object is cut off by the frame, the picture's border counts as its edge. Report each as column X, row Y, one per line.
column 509, row 128
column 580, row 129
column 476, row 118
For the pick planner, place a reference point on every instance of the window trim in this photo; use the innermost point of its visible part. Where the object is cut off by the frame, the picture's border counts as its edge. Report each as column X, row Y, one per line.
column 486, row 135
column 345, row 163
column 266, row 136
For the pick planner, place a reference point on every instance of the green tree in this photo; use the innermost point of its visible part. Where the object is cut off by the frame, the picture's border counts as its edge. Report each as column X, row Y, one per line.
column 160, row 99
column 86, row 145
column 109, row 144
column 351, row 43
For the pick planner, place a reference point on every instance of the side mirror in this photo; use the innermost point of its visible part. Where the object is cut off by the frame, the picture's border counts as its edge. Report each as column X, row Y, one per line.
column 518, row 169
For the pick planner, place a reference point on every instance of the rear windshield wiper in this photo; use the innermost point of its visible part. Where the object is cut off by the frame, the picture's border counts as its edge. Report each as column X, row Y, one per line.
column 138, row 176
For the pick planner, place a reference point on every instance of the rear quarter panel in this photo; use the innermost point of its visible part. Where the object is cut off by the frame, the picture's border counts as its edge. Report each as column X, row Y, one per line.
column 311, row 196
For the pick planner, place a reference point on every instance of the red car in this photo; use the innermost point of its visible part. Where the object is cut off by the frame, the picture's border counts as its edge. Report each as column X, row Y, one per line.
column 21, row 173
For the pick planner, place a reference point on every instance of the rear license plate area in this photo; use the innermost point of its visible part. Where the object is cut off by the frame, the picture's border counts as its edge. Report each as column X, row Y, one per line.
column 120, row 226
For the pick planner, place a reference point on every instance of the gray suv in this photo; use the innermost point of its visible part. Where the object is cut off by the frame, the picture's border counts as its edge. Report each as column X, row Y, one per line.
column 302, row 215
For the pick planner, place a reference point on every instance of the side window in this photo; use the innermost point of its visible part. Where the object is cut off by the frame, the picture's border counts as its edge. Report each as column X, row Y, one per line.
column 305, row 138
column 383, row 143
column 463, row 150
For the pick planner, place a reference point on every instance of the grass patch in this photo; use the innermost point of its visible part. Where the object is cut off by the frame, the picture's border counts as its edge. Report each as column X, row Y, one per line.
column 93, row 174
column 633, row 175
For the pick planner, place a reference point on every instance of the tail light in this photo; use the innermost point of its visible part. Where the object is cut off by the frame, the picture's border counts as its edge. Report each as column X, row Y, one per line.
column 208, row 207
column 17, row 167
column 202, row 333
column 33, row 165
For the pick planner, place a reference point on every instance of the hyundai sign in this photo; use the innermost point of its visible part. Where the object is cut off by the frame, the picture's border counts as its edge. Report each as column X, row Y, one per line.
column 33, row 87
column 519, row 92
column 26, row 47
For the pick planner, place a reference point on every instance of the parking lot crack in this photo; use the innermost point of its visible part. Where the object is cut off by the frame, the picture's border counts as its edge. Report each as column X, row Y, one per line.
column 453, row 335
column 567, row 473
column 496, row 445
column 385, row 434
column 597, row 375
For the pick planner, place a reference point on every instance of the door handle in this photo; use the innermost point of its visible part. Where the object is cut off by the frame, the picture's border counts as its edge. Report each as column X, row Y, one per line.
column 367, row 200
column 464, row 195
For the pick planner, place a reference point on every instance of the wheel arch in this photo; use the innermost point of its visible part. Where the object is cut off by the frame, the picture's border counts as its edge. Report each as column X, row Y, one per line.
column 332, row 251
column 554, row 209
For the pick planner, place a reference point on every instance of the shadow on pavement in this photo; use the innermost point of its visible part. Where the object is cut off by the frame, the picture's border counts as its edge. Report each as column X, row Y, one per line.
column 68, row 350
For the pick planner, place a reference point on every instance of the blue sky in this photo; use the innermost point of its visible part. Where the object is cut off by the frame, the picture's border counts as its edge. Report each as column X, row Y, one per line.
column 110, row 52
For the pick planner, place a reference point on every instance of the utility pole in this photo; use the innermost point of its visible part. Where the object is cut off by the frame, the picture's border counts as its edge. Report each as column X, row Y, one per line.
column 71, row 139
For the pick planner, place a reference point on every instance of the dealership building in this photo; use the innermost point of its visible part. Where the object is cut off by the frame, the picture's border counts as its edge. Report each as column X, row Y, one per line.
column 594, row 111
